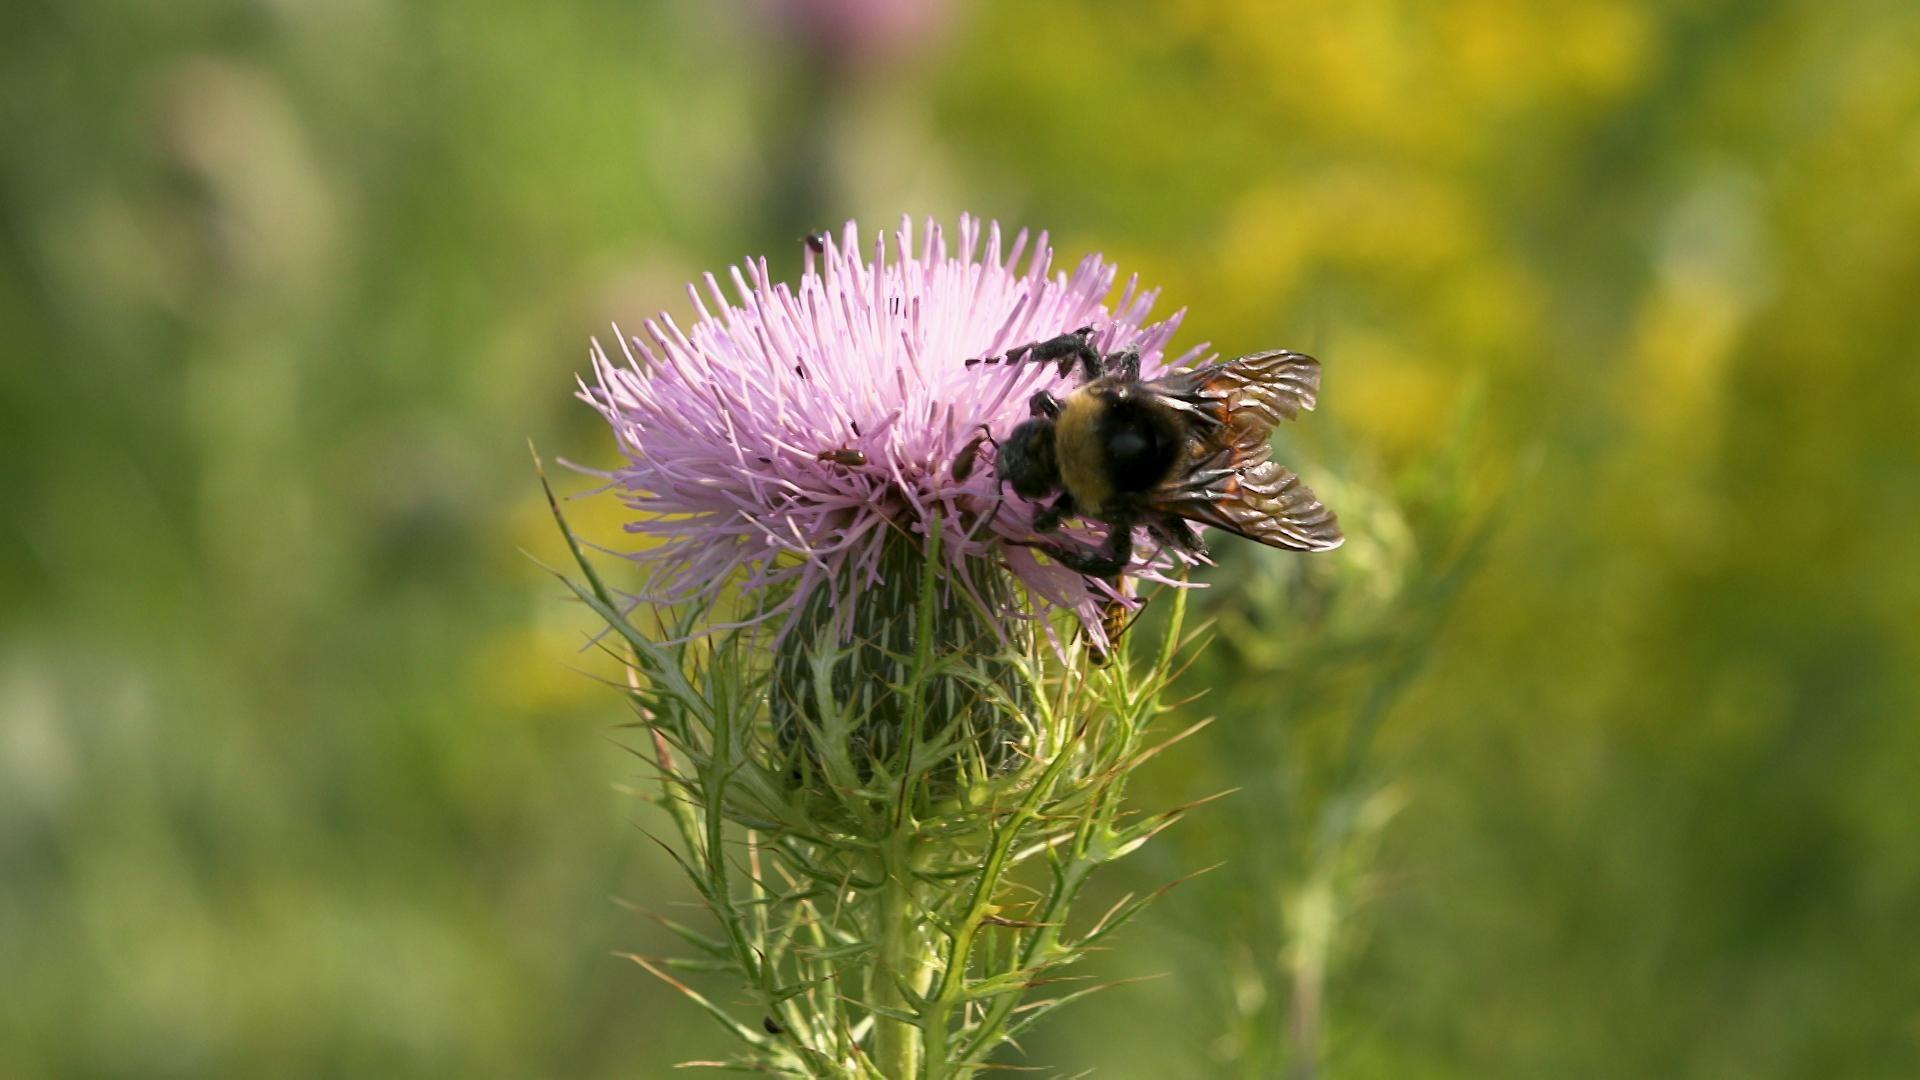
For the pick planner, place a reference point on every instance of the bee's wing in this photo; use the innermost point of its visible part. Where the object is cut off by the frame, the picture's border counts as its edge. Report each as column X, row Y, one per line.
column 1254, row 392
column 1239, row 488
column 1231, row 482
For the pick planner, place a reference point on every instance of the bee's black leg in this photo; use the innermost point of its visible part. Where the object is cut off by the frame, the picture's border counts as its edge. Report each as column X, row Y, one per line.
column 1174, row 530
column 1105, row 561
column 1044, row 404
column 1064, row 350
column 1049, row 519
column 1124, row 363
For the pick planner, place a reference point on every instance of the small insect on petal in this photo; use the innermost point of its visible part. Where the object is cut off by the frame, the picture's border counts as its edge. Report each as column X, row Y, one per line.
column 852, row 459
column 1116, row 618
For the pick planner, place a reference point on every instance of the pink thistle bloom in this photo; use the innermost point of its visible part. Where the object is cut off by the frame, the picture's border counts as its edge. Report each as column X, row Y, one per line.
column 779, row 438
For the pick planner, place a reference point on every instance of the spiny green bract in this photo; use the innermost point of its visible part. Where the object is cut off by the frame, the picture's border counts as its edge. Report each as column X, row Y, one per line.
column 892, row 880
column 843, row 698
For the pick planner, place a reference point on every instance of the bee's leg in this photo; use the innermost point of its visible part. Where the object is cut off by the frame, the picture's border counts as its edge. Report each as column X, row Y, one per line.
column 1105, row 561
column 1173, row 530
column 1049, row 519
column 1125, row 363
column 1044, row 404
column 1063, row 350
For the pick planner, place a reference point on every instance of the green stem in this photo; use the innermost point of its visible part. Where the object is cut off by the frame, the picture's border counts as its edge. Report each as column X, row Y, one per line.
column 904, row 958
column 1315, row 920
column 937, row 1051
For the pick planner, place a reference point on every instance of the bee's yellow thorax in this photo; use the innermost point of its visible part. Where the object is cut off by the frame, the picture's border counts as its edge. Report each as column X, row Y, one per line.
column 1076, row 446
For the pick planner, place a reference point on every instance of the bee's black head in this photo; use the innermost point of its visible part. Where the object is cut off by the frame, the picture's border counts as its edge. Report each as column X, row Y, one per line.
column 1027, row 459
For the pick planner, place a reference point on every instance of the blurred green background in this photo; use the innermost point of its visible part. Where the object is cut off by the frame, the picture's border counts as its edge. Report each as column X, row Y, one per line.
column 298, row 775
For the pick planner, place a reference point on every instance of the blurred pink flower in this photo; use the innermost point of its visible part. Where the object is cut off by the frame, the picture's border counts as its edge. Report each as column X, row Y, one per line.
column 778, row 439
column 864, row 31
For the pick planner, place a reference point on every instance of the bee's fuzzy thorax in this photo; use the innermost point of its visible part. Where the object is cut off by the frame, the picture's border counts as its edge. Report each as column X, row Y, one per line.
column 1077, row 445
column 1090, row 421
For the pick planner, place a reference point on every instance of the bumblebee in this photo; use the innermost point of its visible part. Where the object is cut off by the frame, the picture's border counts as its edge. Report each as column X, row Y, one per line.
column 1190, row 446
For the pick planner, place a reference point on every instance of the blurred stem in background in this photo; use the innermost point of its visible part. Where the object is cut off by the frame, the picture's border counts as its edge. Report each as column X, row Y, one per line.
column 802, row 191
column 843, row 127
column 1312, row 656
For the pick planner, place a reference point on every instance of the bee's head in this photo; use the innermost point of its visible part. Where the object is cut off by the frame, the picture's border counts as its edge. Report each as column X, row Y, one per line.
column 1027, row 460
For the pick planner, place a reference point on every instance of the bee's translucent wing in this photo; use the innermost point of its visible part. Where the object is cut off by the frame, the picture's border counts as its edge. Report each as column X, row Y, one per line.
column 1251, row 393
column 1239, row 488
column 1230, row 481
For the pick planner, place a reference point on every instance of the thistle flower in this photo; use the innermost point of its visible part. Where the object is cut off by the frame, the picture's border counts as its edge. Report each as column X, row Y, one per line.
column 776, row 444
column 854, row 802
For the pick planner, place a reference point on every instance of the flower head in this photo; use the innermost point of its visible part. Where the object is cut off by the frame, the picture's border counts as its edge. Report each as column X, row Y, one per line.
column 902, row 738
column 783, row 436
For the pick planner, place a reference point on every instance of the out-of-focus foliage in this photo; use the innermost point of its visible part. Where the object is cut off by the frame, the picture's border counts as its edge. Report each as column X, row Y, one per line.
column 296, row 777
